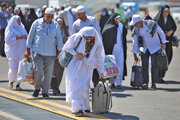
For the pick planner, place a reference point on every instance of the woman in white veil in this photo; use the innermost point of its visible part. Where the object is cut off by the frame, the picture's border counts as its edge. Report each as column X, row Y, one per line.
column 15, row 46
column 88, row 56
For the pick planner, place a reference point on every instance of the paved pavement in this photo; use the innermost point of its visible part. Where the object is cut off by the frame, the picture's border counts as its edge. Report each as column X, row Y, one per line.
column 128, row 103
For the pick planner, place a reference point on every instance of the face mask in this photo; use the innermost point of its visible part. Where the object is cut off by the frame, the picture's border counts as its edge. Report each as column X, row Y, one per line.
column 103, row 13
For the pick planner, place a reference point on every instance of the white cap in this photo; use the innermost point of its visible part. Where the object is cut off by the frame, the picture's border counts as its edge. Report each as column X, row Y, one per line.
column 49, row 11
column 117, row 17
column 80, row 9
column 17, row 9
column 135, row 18
column 69, row 7
column 59, row 19
column 44, row 6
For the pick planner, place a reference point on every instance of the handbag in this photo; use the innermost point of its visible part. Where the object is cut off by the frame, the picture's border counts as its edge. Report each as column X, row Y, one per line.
column 137, row 78
column 175, row 41
column 162, row 60
column 65, row 57
column 110, row 67
column 101, row 97
column 25, row 71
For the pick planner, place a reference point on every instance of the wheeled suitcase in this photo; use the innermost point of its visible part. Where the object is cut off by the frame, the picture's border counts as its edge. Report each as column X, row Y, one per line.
column 101, row 98
column 137, row 78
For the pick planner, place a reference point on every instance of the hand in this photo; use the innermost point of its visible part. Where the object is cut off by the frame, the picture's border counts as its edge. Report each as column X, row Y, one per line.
column 168, row 33
column 24, row 37
column 19, row 37
column 136, row 58
column 163, row 46
column 79, row 56
column 101, row 76
column 27, row 53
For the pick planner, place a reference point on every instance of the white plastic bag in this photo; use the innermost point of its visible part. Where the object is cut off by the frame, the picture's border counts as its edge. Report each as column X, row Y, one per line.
column 110, row 67
column 25, row 71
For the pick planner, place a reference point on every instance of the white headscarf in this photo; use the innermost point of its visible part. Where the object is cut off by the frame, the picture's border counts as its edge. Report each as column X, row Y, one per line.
column 93, row 61
column 14, row 27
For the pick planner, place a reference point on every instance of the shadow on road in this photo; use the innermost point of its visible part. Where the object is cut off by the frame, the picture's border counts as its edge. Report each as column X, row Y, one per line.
column 4, row 81
column 169, row 89
column 50, row 98
column 27, row 90
column 121, row 95
column 172, row 82
column 119, row 116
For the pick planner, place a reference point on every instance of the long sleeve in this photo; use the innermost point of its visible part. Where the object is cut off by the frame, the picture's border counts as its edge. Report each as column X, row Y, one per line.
column 161, row 34
column 174, row 27
column 59, row 38
column 10, row 38
column 4, row 15
column 73, row 29
column 135, row 49
column 31, row 35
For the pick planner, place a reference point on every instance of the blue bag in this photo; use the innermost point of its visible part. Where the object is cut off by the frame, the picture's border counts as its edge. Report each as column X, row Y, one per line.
column 65, row 57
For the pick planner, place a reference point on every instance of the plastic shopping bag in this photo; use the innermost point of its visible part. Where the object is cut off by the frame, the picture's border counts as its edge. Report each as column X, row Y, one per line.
column 110, row 67
column 25, row 73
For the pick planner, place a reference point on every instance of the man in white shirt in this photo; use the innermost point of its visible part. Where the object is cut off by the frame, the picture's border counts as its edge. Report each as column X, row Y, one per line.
column 148, row 45
column 84, row 20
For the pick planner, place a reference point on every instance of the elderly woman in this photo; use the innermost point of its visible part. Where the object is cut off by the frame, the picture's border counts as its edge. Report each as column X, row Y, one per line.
column 166, row 22
column 88, row 56
column 15, row 46
column 17, row 11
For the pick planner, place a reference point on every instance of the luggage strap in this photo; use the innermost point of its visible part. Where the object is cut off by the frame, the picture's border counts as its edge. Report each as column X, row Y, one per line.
column 110, row 102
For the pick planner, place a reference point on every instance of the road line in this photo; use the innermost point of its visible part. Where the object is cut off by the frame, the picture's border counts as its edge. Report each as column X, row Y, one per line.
column 9, row 116
column 53, row 110
column 52, row 103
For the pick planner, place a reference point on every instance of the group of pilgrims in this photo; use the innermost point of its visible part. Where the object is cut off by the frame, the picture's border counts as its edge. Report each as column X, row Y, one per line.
column 47, row 37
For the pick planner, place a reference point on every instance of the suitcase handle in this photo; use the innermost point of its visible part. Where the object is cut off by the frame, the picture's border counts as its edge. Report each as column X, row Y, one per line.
column 103, row 82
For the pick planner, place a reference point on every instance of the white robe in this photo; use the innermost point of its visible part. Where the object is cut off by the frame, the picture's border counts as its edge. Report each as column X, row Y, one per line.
column 79, row 72
column 118, row 52
column 14, row 49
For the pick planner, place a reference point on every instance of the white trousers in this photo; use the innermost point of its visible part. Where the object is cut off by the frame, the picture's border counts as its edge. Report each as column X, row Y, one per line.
column 119, row 56
column 80, row 100
column 13, row 70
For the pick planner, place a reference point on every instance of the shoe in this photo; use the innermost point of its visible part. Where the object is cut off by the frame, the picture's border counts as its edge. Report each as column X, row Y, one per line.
column 113, row 85
column 162, row 81
column 153, row 86
column 45, row 95
column 10, row 85
column 145, row 86
column 18, row 88
column 56, row 93
column 119, row 87
column 79, row 113
column 36, row 93
column 87, row 111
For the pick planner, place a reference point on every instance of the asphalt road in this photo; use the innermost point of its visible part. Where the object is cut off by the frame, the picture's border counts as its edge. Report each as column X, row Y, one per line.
column 128, row 103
